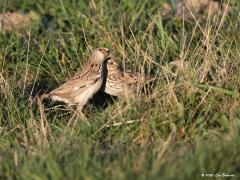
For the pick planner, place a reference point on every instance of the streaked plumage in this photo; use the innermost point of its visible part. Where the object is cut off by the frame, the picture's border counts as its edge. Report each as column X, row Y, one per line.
column 81, row 88
column 123, row 83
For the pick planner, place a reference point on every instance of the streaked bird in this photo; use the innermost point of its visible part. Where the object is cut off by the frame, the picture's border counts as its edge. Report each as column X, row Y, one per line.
column 81, row 88
column 123, row 83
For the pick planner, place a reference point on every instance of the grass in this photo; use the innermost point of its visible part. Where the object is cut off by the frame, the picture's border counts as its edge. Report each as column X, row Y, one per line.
column 189, row 125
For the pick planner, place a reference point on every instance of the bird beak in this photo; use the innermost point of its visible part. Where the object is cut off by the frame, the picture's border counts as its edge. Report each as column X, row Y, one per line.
column 108, row 57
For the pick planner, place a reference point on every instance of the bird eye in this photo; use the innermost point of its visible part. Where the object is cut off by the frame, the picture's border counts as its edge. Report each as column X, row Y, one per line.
column 105, row 51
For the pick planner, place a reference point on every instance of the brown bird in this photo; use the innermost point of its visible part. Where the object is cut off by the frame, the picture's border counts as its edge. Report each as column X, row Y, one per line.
column 123, row 83
column 81, row 88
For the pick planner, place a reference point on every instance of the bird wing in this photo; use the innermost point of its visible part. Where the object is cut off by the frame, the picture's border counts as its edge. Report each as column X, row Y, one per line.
column 87, row 69
column 77, row 84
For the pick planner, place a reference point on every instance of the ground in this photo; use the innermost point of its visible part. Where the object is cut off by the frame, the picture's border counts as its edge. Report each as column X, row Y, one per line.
column 187, row 126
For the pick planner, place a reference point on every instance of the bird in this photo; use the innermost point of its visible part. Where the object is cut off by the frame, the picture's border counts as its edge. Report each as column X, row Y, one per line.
column 122, row 83
column 86, row 83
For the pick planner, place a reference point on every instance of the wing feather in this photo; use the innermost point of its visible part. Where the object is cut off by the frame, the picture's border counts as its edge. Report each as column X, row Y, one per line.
column 76, row 85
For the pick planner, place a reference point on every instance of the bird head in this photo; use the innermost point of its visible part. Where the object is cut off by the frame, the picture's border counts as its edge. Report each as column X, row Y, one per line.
column 101, row 55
